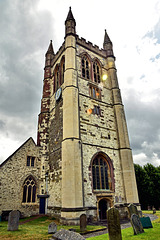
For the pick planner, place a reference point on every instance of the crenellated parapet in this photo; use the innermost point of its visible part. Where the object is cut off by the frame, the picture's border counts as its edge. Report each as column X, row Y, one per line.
column 90, row 46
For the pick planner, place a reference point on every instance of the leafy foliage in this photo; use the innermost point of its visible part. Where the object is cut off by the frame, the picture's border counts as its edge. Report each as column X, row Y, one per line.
column 148, row 184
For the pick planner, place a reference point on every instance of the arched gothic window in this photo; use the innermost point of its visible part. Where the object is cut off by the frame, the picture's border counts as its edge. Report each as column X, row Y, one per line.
column 29, row 190
column 62, row 69
column 56, row 78
column 85, row 67
column 101, row 174
column 96, row 72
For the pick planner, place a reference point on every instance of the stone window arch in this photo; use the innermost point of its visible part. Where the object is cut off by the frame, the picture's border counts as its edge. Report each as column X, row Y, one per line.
column 96, row 72
column 62, row 70
column 29, row 190
column 56, row 78
column 85, row 66
column 102, row 173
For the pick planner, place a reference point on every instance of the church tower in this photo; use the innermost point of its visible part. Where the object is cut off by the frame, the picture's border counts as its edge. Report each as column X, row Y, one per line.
column 86, row 160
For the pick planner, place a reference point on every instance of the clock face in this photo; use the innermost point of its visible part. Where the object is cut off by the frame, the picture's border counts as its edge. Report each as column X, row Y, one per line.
column 58, row 94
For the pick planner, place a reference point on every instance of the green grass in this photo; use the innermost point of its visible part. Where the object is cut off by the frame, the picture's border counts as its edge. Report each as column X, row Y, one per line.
column 36, row 229
column 127, row 234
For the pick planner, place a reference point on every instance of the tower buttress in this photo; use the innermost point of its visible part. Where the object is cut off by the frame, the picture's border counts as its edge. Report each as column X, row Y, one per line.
column 128, row 173
column 72, row 193
column 45, row 101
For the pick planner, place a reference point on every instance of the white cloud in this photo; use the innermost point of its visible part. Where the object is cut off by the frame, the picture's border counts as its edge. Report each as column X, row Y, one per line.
column 142, row 159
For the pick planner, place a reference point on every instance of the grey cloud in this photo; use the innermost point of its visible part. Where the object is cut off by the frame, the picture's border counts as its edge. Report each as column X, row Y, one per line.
column 143, row 123
column 2, row 124
column 25, row 36
column 22, row 46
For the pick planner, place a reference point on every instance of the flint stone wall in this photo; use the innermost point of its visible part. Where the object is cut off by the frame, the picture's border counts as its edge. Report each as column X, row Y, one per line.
column 13, row 173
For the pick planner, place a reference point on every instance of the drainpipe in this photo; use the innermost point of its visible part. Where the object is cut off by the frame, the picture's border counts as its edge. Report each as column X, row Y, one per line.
column 46, row 180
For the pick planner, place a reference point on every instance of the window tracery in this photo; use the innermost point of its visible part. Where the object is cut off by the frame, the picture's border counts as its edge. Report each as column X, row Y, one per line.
column 59, row 74
column 62, row 70
column 96, row 72
column 29, row 190
column 101, row 174
column 85, row 67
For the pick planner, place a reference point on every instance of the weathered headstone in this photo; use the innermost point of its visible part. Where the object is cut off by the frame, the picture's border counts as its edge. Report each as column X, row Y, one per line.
column 140, row 213
column 63, row 234
column 114, row 228
column 146, row 222
column 83, row 222
column 52, row 228
column 137, row 225
column 120, row 198
column 149, row 208
column 13, row 220
column 154, row 210
column 132, row 209
column 116, row 199
column 90, row 219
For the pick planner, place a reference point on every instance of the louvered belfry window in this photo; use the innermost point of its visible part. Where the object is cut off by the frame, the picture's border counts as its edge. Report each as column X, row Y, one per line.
column 96, row 72
column 85, row 67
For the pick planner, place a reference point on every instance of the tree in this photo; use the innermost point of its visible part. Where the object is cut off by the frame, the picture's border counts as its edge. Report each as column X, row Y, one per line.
column 142, row 185
column 154, row 188
column 148, row 185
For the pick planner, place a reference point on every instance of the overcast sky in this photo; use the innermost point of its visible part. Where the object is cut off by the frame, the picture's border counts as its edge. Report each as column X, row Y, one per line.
column 27, row 26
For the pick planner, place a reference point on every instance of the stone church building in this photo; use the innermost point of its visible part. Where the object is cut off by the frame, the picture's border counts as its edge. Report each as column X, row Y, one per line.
column 82, row 162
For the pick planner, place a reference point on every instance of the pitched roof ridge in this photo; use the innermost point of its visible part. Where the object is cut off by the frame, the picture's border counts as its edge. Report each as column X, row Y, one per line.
column 30, row 138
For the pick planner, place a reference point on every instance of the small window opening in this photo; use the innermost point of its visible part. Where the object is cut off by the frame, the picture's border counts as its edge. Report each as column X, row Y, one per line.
column 30, row 161
column 97, row 110
column 94, row 92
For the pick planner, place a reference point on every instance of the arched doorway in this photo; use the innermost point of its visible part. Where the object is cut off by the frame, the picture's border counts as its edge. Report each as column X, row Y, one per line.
column 103, row 206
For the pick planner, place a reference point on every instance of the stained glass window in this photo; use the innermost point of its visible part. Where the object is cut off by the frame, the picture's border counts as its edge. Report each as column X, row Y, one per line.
column 100, row 173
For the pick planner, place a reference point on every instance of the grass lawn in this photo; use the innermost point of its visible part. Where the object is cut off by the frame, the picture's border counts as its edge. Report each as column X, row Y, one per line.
column 36, row 229
column 127, row 234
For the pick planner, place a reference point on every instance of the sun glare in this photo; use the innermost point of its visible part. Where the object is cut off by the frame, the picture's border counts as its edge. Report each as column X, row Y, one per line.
column 104, row 77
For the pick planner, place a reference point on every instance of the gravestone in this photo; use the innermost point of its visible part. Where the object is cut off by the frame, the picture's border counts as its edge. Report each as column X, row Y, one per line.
column 146, row 222
column 120, row 198
column 83, row 222
column 52, row 228
column 116, row 199
column 154, row 210
column 63, row 234
column 137, row 225
column 132, row 209
column 13, row 220
column 140, row 213
column 114, row 228
column 90, row 219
